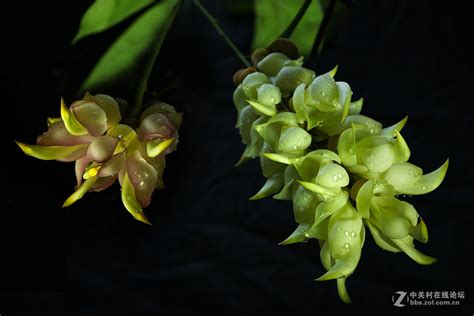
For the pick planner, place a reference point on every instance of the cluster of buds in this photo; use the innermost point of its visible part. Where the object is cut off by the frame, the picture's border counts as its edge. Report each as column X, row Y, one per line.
column 89, row 133
column 342, row 170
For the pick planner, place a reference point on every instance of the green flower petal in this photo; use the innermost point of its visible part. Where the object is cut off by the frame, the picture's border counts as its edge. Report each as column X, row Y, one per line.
column 73, row 126
column 323, row 93
column 304, row 205
column 269, row 110
column 401, row 149
column 332, row 175
column 344, row 98
column 342, row 291
column 70, row 153
column 278, row 158
column 380, row 239
column 286, row 193
column 86, row 185
column 346, row 147
column 402, row 175
column 390, row 131
column 333, row 71
column 377, row 158
column 268, row 94
column 325, row 192
column 356, row 106
column 299, row 103
column 364, row 198
column 240, row 100
column 245, row 120
column 370, row 125
column 344, row 232
column 156, row 147
column 420, row 232
column 326, row 209
column 325, row 256
column 270, row 167
column 297, row 236
column 130, row 201
column 289, row 77
column 293, row 139
column 252, row 82
column 411, row 252
column 307, row 166
column 273, row 62
column 271, row 186
column 427, row 182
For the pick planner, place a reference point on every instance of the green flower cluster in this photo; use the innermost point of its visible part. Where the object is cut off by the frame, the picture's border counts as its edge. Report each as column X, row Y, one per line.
column 342, row 170
column 89, row 133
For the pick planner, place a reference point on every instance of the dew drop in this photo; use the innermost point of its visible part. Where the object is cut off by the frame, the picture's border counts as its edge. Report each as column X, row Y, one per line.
column 372, row 131
column 424, row 188
column 351, row 150
column 347, row 246
column 353, row 234
column 339, row 176
column 295, row 147
column 334, row 177
column 346, row 233
column 141, row 183
column 338, row 228
column 120, row 136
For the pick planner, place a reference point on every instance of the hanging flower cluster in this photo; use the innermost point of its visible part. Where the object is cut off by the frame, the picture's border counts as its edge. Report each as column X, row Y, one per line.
column 342, row 170
column 89, row 132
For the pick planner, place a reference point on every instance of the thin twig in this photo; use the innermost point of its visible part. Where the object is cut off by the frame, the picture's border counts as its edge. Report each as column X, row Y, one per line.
column 219, row 30
column 324, row 26
column 296, row 20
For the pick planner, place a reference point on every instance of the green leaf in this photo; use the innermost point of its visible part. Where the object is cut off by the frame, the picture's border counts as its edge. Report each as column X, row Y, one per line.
column 103, row 14
column 273, row 17
column 149, row 30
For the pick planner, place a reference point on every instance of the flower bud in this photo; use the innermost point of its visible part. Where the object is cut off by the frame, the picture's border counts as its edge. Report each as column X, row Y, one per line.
column 284, row 46
column 290, row 77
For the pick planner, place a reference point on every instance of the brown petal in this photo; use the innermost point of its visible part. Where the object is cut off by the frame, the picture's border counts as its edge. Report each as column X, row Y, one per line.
column 103, row 183
column 113, row 166
column 57, row 135
column 143, row 178
column 102, row 148
column 80, row 167
column 156, row 126
column 91, row 116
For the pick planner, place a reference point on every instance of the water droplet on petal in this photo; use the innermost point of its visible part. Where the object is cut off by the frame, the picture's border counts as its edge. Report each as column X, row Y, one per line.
column 346, row 233
column 347, row 246
column 141, row 183
column 424, row 187
column 353, row 234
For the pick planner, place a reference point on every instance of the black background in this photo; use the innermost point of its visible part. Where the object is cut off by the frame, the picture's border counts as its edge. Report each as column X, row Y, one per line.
column 210, row 249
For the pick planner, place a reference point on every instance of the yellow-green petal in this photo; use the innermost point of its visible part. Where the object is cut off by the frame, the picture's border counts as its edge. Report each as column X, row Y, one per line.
column 130, row 200
column 297, row 236
column 380, row 239
column 51, row 152
column 427, row 182
column 271, row 186
column 269, row 110
column 420, row 232
column 364, row 198
column 342, row 291
column 278, row 158
column 73, row 126
column 156, row 147
column 86, row 185
column 413, row 253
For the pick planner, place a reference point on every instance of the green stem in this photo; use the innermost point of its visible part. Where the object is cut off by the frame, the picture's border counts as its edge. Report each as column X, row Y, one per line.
column 296, row 20
column 219, row 30
column 324, row 26
column 143, row 82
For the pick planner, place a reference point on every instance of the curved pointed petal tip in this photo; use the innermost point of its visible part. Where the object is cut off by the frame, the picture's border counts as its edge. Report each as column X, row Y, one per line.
column 51, row 152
